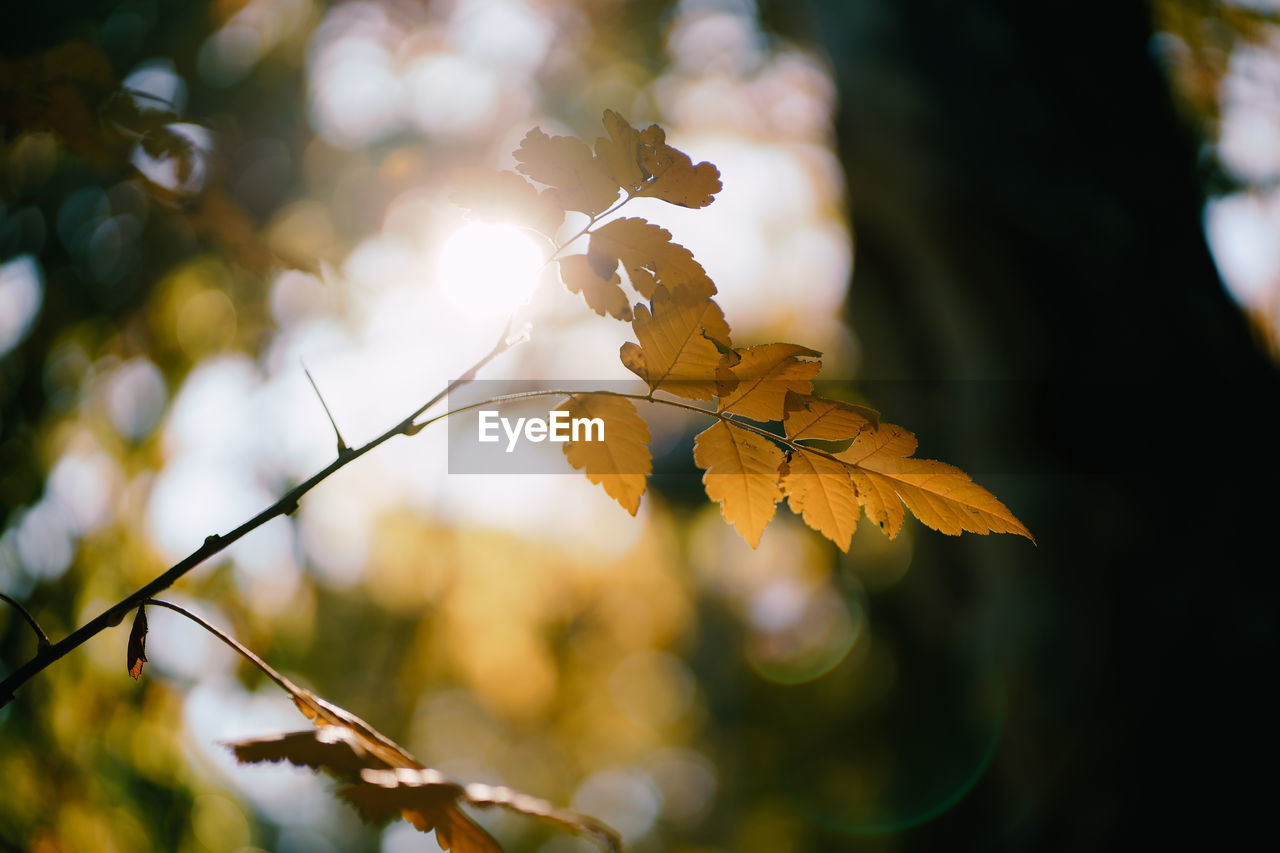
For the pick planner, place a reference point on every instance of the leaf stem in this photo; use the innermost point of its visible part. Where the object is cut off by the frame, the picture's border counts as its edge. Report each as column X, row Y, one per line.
column 42, row 639
column 284, row 683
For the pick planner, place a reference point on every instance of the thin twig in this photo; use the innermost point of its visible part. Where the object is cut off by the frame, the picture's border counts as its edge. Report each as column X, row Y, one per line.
column 42, row 639
column 342, row 445
column 286, row 505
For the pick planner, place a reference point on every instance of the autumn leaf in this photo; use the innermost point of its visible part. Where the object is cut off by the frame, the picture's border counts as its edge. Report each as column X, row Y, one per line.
column 829, row 420
column 648, row 255
column 820, row 490
column 567, row 165
column 386, row 793
column 335, row 749
column 604, row 295
column 674, row 178
column 757, row 386
column 683, row 340
column 620, row 153
column 621, row 462
column 137, row 647
column 741, row 474
column 499, row 196
column 942, row 496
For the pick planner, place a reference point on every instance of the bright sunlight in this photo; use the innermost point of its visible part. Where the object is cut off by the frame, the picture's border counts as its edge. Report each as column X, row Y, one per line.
column 487, row 270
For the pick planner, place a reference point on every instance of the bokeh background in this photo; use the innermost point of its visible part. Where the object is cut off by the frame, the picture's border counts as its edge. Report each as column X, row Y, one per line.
column 1067, row 282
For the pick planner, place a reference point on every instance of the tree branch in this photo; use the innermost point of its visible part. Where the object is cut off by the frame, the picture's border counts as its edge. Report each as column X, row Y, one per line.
column 42, row 639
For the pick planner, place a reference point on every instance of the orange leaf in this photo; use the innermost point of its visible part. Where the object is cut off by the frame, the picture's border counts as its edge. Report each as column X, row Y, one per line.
column 621, row 461
column 681, row 343
column 829, row 420
column 820, row 490
column 649, row 256
column 742, row 471
column 567, row 165
column 942, row 496
column 757, row 386
column 603, row 295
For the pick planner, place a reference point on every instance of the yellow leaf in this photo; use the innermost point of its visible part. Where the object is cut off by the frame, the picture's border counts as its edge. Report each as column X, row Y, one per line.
column 621, row 462
column 821, row 491
column 680, row 343
column 674, row 178
column 649, row 256
column 620, row 153
column 494, row 196
column 757, row 386
column 942, row 496
column 829, row 420
column 603, row 295
column 567, row 165
column 742, row 471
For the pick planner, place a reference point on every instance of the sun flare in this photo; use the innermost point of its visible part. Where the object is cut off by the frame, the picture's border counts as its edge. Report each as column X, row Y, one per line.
column 486, row 270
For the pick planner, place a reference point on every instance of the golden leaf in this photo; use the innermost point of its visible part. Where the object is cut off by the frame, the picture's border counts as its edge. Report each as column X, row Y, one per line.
column 648, row 255
column 567, row 165
column 820, row 490
column 741, row 474
column 621, row 462
column 497, row 196
column 942, row 496
column 674, row 177
column 620, row 153
column 681, row 342
column 137, row 647
column 757, row 386
column 603, row 295
column 828, row 420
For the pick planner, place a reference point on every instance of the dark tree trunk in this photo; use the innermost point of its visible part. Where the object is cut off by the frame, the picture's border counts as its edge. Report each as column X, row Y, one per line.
column 1027, row 214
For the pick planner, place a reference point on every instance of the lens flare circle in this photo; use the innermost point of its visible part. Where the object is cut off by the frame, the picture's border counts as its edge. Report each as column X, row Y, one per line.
column 487, row 270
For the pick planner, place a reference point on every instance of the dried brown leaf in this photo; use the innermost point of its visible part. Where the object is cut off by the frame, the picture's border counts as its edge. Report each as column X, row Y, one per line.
column 137, row 647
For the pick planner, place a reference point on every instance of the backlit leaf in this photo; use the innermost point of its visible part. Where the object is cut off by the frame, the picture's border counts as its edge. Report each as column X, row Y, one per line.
column 820, row 490
column 386, row 793
column 942, row 496
column 741, row 474
column 499, row 196
column 621, row 462
column 620, row 153
column 674, row 178
column 829, row 420
column 566, row 164
column 678, row 349
column 603, row 295
column 648, row 255
column 757, row 386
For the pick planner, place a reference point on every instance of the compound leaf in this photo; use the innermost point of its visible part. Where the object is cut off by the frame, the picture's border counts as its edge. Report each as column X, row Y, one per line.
column 757, row 386
column 566, row 164
column 683, row 340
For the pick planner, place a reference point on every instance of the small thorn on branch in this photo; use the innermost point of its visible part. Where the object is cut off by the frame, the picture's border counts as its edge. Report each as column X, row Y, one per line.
column 342, row 445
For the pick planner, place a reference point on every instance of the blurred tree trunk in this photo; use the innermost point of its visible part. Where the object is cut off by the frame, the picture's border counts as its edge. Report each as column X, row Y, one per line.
column 1027, row 215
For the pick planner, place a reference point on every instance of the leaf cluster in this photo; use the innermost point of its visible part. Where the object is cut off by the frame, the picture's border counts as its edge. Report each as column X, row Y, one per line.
column 773, row 437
